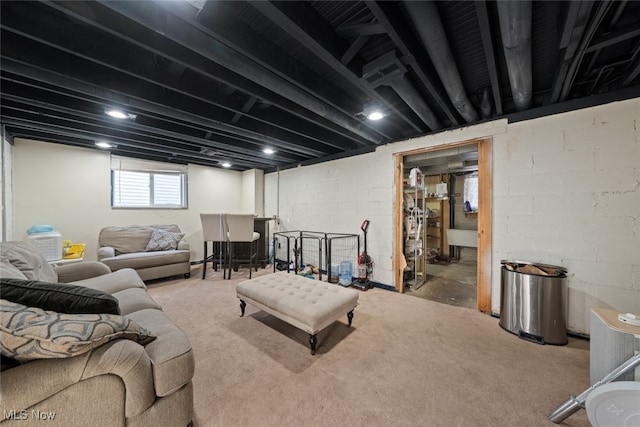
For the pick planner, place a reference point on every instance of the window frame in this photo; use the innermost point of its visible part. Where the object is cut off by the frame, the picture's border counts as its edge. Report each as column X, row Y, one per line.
column 475, row 202
column 152, row 170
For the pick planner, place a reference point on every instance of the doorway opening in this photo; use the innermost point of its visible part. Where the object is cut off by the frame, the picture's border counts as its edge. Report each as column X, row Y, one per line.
column 443, row 224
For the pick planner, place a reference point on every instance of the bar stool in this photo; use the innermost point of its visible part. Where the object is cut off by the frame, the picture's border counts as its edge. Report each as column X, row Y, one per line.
column 241, row 231
column 215, row 230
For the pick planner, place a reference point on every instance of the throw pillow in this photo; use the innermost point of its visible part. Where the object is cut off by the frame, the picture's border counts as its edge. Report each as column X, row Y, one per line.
column 162, row 240
column 60, row 297
column 30, row 333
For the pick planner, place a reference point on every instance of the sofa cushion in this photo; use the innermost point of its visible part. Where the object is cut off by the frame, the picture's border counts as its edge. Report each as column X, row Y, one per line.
column 162, row 240
column 125, row 240
column 130, row 239
column 125, row 278
column 170, row 353
column 8, row 270
column 63, row 298
column 68, row 273
column 25, row 257
column 30, row 333
column 147, row 259
column 135, row 299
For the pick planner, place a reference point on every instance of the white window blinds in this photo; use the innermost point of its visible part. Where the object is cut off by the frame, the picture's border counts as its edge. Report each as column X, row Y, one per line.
column 144, row 184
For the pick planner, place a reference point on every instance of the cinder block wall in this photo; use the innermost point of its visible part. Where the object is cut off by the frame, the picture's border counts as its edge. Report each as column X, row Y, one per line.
column 335, row 197
column 566, row 191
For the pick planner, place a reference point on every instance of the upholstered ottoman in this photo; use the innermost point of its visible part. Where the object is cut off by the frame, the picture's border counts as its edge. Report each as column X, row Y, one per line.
column 310, row 305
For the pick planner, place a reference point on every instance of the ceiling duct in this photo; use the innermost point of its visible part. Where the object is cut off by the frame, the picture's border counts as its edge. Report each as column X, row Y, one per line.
column 515, row 27
column 209, row 152
column 426, row 19
column 387, row 70
column 189, row 34
column 485, row 102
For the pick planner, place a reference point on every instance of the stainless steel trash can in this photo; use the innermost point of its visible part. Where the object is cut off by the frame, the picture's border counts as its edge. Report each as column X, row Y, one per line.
column 532, row 301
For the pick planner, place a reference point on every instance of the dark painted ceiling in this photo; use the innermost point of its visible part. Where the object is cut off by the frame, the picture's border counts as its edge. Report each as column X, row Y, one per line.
column 213, row 81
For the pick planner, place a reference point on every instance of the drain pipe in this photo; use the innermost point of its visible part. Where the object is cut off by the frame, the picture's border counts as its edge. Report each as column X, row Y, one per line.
column 426, row 19
column 515, row 27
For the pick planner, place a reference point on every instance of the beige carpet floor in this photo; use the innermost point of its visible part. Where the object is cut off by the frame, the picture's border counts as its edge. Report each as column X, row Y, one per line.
column 405, row 362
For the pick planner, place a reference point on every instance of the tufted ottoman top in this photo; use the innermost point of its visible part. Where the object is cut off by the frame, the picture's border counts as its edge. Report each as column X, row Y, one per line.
column 310, row 305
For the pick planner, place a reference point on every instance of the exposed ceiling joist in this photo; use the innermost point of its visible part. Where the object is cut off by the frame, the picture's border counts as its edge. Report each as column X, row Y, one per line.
column 320, row 39
column 389, row 15
column 207, row 81
column 186, row 34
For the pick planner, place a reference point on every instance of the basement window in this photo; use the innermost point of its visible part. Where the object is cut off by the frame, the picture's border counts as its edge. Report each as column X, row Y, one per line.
column 471, row 192
column 141, row 184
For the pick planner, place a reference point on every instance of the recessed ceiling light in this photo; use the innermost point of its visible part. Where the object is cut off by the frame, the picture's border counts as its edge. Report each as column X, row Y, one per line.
column 268, row 151
column 103, row 144
column 226, row 164
column 375, row 115
column 117, row 114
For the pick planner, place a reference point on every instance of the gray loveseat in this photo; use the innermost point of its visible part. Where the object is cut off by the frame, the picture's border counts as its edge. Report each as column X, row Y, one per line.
column 154, row 251
column 141, row 378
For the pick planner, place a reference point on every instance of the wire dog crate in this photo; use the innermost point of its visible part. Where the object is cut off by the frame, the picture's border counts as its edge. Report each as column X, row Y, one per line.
column 320, row 249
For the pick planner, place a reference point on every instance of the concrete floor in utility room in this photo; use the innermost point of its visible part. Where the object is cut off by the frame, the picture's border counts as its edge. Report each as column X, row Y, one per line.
column 453, row 283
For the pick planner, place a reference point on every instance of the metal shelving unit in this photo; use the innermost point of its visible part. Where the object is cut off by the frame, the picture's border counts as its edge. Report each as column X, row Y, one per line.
column 415, row 237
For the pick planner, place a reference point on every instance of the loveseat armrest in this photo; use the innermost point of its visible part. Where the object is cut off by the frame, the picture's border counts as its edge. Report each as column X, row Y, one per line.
column 80, row 271
column 129, row 361
column 30, row 383
column 27, row 385
column 183, row 245
column 106, row 252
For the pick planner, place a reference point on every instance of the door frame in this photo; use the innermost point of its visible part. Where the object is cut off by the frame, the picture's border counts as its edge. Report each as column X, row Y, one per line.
column 485, row 214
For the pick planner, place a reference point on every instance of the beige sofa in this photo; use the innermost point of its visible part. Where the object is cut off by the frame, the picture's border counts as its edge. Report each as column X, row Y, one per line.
column 154, row 251
column 121, row 382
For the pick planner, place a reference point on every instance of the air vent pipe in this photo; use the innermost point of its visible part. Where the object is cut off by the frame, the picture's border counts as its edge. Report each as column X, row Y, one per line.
column 387, row 70
column 426, row 19
column 485, row 102
column 411, row 96
column 515, row 27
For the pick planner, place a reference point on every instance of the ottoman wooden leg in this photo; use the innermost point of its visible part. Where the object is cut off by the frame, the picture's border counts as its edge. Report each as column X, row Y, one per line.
column 242, row 306
column 350, row 316
column 312, row 342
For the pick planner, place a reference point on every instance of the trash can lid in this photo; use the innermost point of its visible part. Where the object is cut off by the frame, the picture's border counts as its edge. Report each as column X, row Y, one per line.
column 561, row 270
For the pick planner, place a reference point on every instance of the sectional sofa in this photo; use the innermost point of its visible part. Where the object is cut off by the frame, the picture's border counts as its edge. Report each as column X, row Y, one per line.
column 82, row 345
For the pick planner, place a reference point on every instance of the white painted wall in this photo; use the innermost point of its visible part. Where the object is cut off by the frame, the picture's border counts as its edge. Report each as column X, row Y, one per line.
column 335, row 197
column 69, row 188
column 566, row 191
column 6, row 187
column 253, row 192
